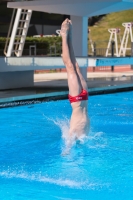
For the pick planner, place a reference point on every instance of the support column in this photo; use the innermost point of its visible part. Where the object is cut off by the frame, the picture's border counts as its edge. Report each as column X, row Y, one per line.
column 80, row 38
column 132, row 53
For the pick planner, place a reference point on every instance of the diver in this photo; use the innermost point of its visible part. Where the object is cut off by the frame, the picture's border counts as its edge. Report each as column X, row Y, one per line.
column 78, row 90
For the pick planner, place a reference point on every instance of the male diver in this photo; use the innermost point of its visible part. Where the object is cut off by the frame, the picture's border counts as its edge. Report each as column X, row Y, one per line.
column 78, row 90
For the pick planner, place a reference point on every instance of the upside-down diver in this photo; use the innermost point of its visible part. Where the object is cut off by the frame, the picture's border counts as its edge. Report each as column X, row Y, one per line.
column 78, row 90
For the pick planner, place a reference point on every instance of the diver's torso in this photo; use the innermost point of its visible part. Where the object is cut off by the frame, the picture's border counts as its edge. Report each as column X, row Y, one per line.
column 79, row 123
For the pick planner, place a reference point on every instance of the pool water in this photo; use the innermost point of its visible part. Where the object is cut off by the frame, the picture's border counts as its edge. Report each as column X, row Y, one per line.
column 33, row 139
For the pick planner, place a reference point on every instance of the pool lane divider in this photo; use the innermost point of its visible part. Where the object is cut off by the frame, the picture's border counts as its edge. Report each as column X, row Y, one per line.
column 39, row 98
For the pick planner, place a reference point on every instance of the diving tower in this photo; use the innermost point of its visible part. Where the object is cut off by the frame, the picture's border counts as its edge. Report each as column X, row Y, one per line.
column 17, row 35
column 127, row 34
column 114, row 33
column 79, row 11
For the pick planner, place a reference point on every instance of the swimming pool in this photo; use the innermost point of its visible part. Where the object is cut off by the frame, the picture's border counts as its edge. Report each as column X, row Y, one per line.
column 32, row 165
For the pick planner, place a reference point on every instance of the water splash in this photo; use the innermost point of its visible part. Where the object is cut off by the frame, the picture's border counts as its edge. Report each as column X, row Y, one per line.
column 63, row 125
column 38, row 177
column 91, row 140
column 97, row 140
column 68, row 141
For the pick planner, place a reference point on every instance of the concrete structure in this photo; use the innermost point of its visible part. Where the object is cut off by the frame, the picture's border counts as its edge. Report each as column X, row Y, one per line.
column 49, row 86
column 75, row 7
column 17, row 72
column 79, row 10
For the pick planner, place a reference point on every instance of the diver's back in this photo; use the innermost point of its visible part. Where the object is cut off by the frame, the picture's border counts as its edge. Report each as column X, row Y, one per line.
column 79, row 120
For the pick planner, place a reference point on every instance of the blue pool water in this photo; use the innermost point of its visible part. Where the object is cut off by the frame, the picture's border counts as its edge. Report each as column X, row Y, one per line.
column 33, row 139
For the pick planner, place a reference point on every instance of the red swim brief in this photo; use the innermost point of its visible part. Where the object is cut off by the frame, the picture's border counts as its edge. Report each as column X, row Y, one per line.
column 82, row 96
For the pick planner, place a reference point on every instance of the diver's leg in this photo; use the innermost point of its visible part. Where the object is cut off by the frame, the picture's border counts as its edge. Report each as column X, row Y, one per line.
column 74, row 83
column 73, row 59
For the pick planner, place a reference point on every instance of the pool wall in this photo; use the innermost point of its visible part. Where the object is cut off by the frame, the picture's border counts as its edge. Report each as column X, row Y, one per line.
column 18, row 72
column 38, row 98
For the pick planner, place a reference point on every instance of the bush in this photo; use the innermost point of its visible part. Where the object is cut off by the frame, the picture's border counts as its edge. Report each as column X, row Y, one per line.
column 2, row 42
column 42, row 44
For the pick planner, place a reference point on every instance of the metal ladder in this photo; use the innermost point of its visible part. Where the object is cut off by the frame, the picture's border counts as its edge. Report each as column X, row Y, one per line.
column 91, row 42
column 128, row 31
column 17, row 32
column 114, row 32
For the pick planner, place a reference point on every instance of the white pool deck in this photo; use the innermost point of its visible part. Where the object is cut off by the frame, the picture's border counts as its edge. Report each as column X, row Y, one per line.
column 48, row 85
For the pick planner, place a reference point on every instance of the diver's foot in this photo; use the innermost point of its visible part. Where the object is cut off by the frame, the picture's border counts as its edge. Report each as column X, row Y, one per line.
column 65, row 28
column 70, row 30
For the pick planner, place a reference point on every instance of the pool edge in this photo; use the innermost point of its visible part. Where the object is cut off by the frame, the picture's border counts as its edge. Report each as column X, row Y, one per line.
column 38, row 98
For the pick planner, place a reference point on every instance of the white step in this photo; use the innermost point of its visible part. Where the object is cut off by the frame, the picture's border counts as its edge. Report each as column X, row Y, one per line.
column 18, row 42
column 16, row 50
column 22, row 20
column 26, row 12
column 20, row 36
column 22, row 28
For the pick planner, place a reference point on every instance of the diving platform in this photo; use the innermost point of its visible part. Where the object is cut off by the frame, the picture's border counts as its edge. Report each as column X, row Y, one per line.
column 17, row 72
column 17, row 64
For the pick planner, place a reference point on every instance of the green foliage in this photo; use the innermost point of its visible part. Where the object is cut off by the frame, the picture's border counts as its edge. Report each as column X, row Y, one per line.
column 42, row 44
column 2, row 42
column 99, row 32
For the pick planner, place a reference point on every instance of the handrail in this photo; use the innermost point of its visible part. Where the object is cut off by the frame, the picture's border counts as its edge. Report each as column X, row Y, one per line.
column 21, row 24
column 9, row 31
